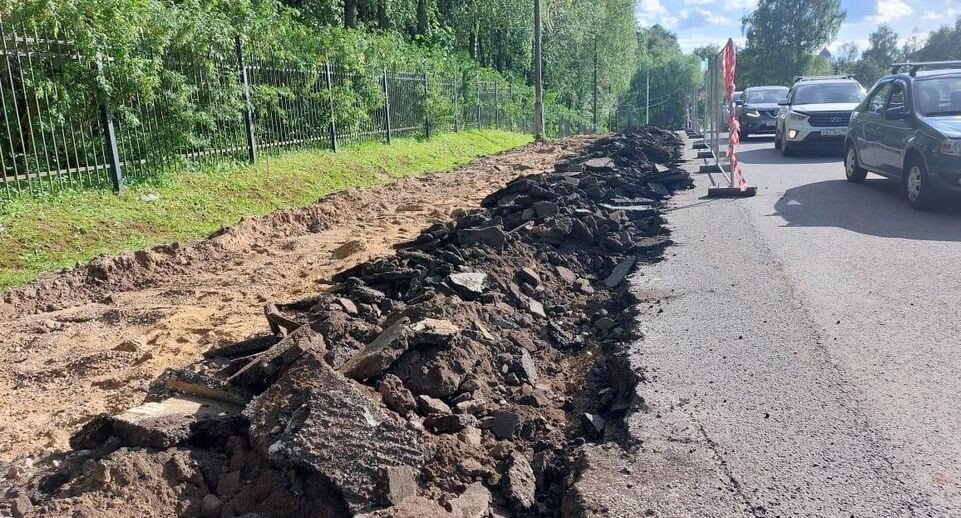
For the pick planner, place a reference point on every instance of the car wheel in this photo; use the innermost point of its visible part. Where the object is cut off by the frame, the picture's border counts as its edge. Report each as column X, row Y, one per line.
column 917, row 188
column 786, row 148
column 777, row 140
column 852, row 168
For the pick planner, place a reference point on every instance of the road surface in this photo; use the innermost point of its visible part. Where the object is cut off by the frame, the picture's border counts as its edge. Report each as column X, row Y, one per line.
column 802, row 353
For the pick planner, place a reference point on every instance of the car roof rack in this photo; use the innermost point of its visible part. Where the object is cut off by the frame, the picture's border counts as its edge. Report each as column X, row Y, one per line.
column 816, row 78
column 914, row 67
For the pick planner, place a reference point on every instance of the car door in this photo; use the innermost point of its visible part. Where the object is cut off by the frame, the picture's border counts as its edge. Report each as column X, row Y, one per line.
column 868, row 136
column 895, row 133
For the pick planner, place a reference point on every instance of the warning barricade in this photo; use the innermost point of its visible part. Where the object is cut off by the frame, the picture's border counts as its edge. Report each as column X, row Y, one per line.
column 722, row 131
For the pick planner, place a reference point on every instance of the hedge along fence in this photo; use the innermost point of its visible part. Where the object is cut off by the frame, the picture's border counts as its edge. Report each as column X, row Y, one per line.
column 76, row 118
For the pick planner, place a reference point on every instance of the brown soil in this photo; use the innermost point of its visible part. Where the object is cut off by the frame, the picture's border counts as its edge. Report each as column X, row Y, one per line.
column 91, row 340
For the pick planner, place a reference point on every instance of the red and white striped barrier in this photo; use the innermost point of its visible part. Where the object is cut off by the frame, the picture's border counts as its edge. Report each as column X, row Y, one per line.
column 729, row 68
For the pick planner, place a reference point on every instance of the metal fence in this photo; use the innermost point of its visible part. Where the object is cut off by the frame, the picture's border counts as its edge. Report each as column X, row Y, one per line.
column 63, row 127
column 716, row 129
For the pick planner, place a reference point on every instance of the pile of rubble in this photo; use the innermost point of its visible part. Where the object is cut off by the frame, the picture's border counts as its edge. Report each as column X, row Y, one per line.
column 454, row 378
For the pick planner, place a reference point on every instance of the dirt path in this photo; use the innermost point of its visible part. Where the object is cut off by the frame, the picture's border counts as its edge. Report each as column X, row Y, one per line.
column 90, row 340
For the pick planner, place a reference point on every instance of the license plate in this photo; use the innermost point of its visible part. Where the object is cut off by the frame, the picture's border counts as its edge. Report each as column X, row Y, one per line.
column 839, row 132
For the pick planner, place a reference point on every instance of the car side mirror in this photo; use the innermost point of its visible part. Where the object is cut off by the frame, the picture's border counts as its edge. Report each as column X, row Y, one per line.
column 895, row 114
column 783, row 102
column 739, row 102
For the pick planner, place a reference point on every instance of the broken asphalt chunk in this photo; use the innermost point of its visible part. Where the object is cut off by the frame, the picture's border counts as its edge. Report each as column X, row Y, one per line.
column 380, row 354
column 315, row 419
column 170, row 422
column 265, row 366
column 620, row 272
column 468, row 285
column 493, row 237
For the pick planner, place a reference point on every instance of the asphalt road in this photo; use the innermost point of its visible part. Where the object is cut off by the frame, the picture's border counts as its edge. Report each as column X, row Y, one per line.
column 805, row 358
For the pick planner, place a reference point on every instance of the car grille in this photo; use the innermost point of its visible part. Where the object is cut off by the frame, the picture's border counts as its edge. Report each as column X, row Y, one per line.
column 830, row 119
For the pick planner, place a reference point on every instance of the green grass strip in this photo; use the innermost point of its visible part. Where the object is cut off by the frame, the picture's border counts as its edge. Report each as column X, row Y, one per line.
column 43, row 234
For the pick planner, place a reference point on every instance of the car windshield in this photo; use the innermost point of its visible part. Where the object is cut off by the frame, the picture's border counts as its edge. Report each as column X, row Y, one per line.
column 829, row 93
column 765, row 96
column 939, row 96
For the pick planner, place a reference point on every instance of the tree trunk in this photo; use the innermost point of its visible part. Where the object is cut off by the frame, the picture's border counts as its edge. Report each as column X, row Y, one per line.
column 350, row 14
column 422, row 17
column 365, row 11
column 383, row 14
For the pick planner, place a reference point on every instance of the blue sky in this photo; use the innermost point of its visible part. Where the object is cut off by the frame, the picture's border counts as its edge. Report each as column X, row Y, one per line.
column 698, row 22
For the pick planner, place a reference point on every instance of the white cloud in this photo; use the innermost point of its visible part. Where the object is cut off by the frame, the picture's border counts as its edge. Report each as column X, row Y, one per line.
column 739, row 5
column 946, row 16
column 695, row 17
column 689, row 44
column 650, row 12
column 890, row 10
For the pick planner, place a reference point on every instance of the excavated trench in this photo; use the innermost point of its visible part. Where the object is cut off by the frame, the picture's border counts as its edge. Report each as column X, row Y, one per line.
column 458, row 377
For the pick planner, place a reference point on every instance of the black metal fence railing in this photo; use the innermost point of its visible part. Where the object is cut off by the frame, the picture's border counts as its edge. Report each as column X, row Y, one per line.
column 67, row 120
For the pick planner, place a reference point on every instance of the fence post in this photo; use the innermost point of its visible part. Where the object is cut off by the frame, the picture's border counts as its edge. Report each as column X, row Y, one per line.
column 456, row 105
column 333, row 114
column 478, row 101
column 426, row 106
column 387, row 108
column 497, row 108
column 248, row 111
column 109, row 134
column 510, row 101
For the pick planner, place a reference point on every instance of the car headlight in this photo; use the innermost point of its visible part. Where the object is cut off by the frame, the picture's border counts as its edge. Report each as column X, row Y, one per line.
column 951, row 147
column 752, row 113
column 799, row 117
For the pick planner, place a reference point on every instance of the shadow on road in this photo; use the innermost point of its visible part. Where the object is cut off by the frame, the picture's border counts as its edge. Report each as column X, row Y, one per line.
column 875, row 208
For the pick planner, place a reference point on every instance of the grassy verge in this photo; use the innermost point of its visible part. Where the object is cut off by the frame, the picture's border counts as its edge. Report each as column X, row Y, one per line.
column 44, row 234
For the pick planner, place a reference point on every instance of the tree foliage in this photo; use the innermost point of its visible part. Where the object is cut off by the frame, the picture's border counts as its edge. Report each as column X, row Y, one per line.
column 783, row 37
column 883, row 49
column 670, row 73
column 156, row 54
column 942, row 44
column 876, row 59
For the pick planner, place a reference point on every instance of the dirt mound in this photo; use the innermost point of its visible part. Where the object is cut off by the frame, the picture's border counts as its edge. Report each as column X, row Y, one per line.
column 453, row 378
column 111, row 339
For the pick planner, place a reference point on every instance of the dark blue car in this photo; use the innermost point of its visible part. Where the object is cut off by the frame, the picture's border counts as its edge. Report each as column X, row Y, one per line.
column 909, row 128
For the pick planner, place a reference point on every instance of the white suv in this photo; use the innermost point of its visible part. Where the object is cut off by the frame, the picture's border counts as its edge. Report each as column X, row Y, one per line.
column 816, row 113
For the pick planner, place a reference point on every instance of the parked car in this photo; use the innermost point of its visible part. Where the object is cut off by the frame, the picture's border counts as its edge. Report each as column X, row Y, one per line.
column 909, row 129
column 757, row 109
column 816, row 113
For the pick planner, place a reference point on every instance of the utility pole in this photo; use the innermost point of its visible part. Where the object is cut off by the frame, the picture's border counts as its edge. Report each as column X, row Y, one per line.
column 538, row 75
column 595, row 84
column 648, row 110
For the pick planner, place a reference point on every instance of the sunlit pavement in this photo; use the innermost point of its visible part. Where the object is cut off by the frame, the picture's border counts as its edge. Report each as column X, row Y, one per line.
column 811, row 336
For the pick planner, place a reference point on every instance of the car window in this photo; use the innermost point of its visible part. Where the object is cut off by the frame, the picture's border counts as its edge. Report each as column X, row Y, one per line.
column 828, row 93
column 897, row 97
column 938, row 96
column 765, row 96
column 880, row 96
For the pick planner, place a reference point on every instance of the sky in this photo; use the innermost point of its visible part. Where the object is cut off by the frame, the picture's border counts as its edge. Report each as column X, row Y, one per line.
column 700, row 22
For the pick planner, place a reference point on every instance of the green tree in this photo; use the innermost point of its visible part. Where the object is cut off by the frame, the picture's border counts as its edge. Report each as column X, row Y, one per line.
column 671, row 74
column 783, row 37
column 876, row 60
column 847, row 58
column 942, row 44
